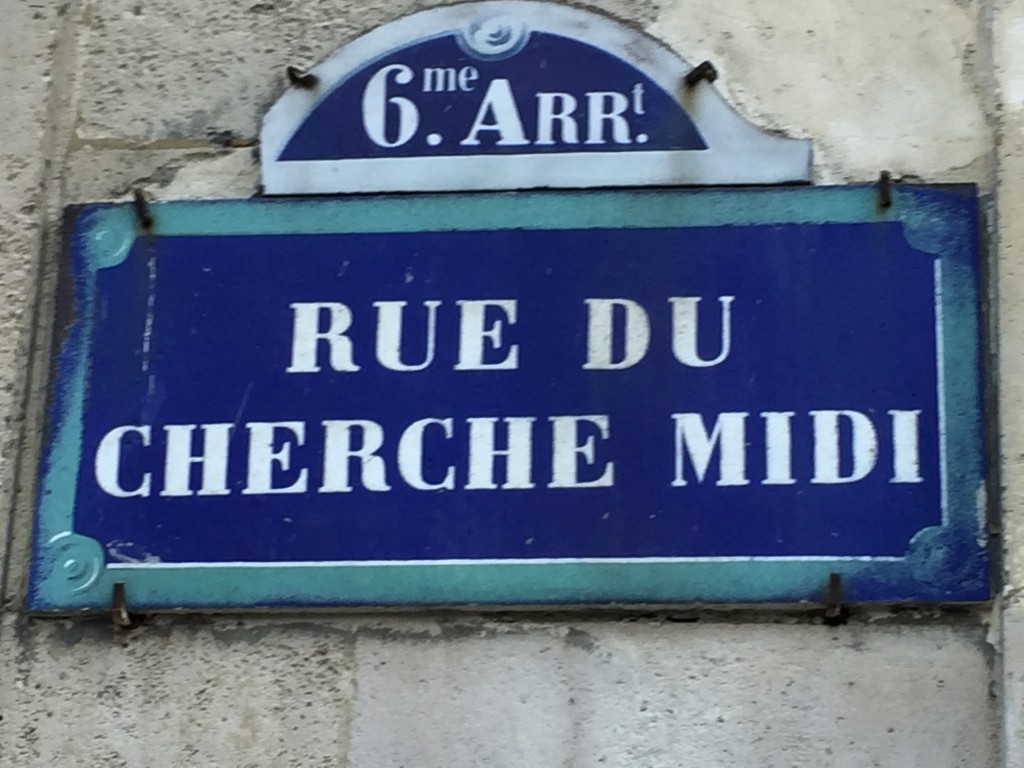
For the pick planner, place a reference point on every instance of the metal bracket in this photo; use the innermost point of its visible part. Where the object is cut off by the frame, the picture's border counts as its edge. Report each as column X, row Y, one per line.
column 300, row 78
column 142, row 209
column 884, row 189
column 836, row 613
column 703, row 71
column 119, row 609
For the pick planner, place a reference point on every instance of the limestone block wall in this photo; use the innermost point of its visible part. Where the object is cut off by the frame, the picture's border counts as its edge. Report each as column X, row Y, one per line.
column 99, row 97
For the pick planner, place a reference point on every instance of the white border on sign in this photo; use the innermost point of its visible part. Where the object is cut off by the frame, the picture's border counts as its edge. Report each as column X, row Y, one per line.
column 943, row 486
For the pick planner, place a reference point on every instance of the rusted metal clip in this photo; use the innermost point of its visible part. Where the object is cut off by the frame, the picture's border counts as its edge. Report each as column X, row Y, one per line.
column 703, row 71
column 119, row 609
column 836, row 612
column 884, row 189
column 142, row 209
column 300, row 78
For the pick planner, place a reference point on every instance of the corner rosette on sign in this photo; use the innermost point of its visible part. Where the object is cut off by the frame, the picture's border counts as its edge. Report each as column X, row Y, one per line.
column 494, row 39
column 77, row 561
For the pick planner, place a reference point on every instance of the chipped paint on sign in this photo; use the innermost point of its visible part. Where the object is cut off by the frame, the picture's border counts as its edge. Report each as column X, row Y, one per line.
column 591, row 397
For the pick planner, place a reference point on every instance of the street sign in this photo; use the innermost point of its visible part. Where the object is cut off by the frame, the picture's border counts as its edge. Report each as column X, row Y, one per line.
column 511, row 94
column 542, row 398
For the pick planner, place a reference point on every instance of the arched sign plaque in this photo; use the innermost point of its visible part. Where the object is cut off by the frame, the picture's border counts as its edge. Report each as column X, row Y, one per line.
column 511, row 94
column 586, row 397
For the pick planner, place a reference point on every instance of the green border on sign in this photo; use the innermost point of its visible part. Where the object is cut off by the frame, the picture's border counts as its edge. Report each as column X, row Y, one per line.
column 944, row 563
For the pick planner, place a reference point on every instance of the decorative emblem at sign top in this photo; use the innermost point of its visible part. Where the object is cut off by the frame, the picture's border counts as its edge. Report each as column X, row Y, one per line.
column 511, row 94
column 494, row 39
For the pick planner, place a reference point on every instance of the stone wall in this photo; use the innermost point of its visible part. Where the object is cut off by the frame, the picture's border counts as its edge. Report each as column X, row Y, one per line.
column 101, row 97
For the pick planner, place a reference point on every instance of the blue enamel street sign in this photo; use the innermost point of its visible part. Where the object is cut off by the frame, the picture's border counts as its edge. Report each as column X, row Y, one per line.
column 541, row 398
column 511, row 94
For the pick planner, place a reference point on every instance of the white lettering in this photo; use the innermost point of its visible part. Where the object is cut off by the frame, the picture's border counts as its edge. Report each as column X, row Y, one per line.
column 497, row 112
column 555, row 108
column 692, row 439
column 439, row 79
column 389, row 335
column 410, row 456
column 482, row 453
column 306, row 335
column 826, row 447
column 638, row 99
column 108, row 463
column 264, row 457
column 684, row 330
column 178, row 460
column 566, row 448
column 600, row 329
column 467, row 77
column 472, row 332
column 778, row 440
column 606, row 108
column 338, row 453
column 906, row 459
column 446, row 79
column 376, row 103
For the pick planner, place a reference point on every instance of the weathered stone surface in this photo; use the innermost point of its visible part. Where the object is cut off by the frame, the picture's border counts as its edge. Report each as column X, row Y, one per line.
column 154, row 73
column 876, row 84
column 669, row 695
column 27, row 38
column 221, row 65
column 100, row 97
column 167, row 174
column 212, row 692
column 1010, row 284
column 1008, row 56
column 454, row 693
